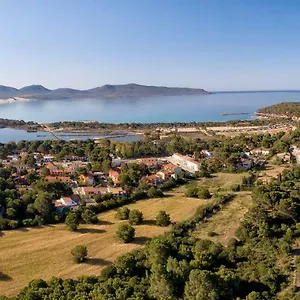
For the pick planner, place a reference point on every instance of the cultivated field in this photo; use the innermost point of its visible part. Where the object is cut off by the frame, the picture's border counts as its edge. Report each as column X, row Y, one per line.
column 225, row 223
column 27, row 254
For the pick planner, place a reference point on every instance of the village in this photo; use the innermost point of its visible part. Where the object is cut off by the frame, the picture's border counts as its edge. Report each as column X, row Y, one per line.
column 87, row 186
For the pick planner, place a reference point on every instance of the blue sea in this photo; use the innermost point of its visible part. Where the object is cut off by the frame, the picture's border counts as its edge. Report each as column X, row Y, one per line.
column 150, row 109
column 146, row 110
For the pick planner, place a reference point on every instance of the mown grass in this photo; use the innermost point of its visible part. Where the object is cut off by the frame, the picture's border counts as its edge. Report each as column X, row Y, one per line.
column 43, row 252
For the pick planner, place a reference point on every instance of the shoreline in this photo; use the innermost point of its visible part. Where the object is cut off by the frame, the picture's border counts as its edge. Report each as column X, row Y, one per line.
column 14, row 100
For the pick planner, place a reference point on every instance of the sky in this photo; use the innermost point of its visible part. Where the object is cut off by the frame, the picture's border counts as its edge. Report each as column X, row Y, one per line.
column 218, row 45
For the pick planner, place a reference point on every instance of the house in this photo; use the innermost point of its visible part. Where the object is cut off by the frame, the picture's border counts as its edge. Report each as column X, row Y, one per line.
column 91, row 191
column 260, row 151
column 66, row 203
column 151, row 162
column 154, row 179
column 114, row 175
column 295, row 151
column 185, row 162
column 206, row 154
column 116, row 191
column 47, row 158
column 87, row 179
column 169, row 171
column 64, row 179
column 244, row 163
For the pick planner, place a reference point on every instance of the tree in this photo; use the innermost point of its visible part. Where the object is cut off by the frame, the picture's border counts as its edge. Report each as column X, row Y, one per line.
column 201, row 286
column 163, row 219
column 123, row 213
column 72, row 221
column 30, row 160
column 89, row 217
column 43, row 203
column 155, row 193
column 79, row 254
column 45, row 171
column 135, row 217
column 125, row 233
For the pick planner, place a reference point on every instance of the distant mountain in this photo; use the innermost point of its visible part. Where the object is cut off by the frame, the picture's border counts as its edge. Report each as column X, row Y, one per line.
column 107, row 91
column 6, row 91
column 34, row 90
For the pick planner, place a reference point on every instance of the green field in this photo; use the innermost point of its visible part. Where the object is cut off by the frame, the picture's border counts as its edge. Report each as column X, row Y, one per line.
column 225, row 223
column 43, row 252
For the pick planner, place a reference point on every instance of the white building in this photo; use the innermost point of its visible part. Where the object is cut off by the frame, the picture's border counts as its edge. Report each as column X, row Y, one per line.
column 66, row 202
column 185, row 162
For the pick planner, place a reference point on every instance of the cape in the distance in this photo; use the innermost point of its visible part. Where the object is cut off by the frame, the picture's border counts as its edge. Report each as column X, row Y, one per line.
column 106, row 91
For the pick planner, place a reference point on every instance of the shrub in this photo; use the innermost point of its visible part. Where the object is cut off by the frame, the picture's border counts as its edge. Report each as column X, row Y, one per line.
column 79, row 254
column 204, row 193
column 13, row 224
column 192, row 191
column 72, row 221
column 135, row 217
column 3, row 224
column 163, row 219
column 155, row 193
column 212, row 233
column 29, row 222
column 125, row 233
column 123, row 213
column 89, row 217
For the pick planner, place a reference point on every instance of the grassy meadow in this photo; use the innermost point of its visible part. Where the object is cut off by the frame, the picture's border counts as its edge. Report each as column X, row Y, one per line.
column 43, row 252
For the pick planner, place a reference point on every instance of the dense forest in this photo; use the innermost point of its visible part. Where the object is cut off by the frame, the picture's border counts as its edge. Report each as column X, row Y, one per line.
column 180, row 266
column 288, row 109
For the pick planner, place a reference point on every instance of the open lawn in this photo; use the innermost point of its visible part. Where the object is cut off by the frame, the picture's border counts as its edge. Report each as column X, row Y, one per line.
column 226, row 222
column 43, row 252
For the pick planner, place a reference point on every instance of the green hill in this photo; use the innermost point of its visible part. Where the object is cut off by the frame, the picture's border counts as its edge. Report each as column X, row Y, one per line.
column 286, row 109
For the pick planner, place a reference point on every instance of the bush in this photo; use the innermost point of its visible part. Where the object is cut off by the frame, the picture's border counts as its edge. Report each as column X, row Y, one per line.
column 192, row 191
column 155, row 193
column 79, row 254
column 125, row 233
column 163, row 219
column 89, row 217
column 212, row 233
column 72, row 221
column 135, row 217
column 13, row 224
column 203, row 193
column 29, row 222
column 3, row 224
column 123, row 213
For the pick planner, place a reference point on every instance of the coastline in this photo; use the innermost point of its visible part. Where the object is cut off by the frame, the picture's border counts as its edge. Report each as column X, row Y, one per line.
column 14, row 100
column 267, row 116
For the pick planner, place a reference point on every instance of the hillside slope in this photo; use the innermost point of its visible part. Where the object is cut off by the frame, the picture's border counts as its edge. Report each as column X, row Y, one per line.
column 284, row 109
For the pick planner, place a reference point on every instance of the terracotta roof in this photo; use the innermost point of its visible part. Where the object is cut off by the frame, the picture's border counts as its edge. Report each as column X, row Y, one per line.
column 187, row 158
column 58, row 178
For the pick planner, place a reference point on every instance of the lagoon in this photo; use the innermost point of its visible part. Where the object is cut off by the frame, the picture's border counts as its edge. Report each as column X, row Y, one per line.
column 9, row 135
column 148, row 110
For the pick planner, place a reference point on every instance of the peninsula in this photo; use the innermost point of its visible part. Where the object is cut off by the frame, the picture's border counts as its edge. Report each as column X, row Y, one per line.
column 286, row 110
column 39, row 92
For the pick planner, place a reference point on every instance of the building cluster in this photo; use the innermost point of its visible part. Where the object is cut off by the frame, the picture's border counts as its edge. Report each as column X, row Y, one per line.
column 87, row 185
